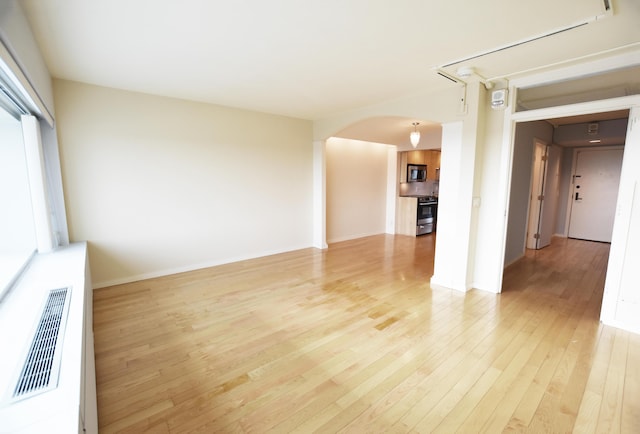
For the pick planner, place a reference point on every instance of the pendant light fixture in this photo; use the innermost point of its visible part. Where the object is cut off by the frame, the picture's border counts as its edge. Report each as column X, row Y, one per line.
column 415, row 135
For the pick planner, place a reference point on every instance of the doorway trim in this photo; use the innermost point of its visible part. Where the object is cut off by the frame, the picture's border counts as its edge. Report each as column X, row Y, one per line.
column 631, row 103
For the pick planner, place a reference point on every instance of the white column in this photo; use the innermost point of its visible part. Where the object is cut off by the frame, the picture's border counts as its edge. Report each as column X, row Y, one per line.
column 319, row 195
column 453, row 264
column 392, row 189
column 621, row 298
column 448, row 261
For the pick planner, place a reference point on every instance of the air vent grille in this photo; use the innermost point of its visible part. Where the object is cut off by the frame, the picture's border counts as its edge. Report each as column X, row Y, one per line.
column 42, row 364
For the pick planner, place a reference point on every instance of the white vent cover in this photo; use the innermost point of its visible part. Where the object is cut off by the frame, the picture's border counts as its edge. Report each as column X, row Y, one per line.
column 42, row 363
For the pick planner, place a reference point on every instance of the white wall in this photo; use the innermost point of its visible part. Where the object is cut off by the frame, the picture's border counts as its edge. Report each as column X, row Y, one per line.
column 356, row 188
column 159, row 185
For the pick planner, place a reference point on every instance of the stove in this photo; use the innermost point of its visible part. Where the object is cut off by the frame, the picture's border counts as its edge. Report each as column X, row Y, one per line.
column 427, row 212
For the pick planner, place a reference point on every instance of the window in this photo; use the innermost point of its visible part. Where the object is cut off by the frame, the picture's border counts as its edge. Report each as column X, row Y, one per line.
column 26, row 178
column 17, row 233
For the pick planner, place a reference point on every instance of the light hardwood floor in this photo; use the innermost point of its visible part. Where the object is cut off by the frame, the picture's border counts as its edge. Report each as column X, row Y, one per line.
column 352, row 339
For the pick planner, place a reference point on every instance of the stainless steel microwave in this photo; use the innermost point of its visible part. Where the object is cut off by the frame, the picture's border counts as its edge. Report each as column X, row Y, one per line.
column 416, row 172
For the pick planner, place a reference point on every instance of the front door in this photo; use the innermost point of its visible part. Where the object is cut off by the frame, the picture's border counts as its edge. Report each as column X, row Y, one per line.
column 595, row 192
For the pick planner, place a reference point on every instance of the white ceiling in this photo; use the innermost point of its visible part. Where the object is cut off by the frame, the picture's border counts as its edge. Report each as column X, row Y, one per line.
column 312, row 60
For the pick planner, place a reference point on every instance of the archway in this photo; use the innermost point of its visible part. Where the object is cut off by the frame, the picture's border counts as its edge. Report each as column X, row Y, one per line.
column 356, row 172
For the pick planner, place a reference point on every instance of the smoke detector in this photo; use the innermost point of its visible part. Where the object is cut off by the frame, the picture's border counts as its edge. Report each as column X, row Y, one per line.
column 466, row 71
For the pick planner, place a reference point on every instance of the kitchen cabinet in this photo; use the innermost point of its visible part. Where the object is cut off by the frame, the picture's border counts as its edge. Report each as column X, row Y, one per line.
column 404, row 160
column 407, row 211
column 417, row 157
column 406, row 216
column 433, row 165
column 435, row 161
column 428, row 157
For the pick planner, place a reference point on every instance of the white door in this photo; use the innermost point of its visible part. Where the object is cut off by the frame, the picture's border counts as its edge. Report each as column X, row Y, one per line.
column 550, row 194
column 595, row 192
column 537, row 191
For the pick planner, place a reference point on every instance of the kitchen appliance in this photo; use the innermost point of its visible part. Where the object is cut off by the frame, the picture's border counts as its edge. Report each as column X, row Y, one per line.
column 427, row 215
column 416, row 172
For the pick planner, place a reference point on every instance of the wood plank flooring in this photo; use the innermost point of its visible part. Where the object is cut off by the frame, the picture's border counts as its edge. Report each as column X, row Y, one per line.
column 352, row 339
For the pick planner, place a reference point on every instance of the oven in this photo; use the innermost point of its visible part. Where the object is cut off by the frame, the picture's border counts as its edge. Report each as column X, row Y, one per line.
column 427, row 215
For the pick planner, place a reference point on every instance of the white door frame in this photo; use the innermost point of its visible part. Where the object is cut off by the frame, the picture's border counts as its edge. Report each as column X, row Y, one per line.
column 511, row 118
column 610, row 299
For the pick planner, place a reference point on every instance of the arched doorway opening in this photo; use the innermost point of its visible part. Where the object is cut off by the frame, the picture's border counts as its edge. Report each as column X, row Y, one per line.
column 361, row 173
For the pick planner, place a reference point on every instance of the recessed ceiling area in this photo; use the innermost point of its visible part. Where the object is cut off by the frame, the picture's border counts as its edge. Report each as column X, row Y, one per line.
column 591, row 117
column 592, row 130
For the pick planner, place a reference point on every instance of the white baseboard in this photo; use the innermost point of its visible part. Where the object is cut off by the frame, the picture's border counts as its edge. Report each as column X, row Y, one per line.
column 436, row 283
column 513, row 261
column 353, row 237
column 191, row 267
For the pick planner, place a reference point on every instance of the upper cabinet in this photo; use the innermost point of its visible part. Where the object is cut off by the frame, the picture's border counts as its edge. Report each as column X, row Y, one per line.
column 433, row 172
column 417, row 157
column 430, row 158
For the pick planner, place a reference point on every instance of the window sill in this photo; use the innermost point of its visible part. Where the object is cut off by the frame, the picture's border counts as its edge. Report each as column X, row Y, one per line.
column 60, row 409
